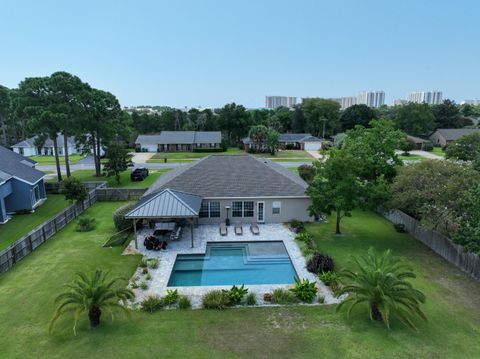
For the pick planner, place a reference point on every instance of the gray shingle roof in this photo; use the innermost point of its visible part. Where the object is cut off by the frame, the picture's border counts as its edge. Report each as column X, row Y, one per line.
column 232, row 176
column 30, row 142
column 208, row 137
column 167, row 204
column 19, row 166
column 148, row 139
column 453, row 134
column 293, row 137
column 180, row 137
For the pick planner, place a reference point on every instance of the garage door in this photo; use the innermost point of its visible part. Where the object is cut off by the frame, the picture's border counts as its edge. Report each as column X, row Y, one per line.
column 151, row 148
column 313, row 146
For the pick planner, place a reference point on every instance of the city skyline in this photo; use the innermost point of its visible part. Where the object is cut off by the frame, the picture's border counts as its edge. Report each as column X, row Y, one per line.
column 210, row 53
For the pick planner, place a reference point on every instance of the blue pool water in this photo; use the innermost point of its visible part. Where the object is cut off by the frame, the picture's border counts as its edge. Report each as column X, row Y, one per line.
column 230, row 263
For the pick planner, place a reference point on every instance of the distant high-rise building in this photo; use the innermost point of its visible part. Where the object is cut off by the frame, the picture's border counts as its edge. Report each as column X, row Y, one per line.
column 346, row 102
column 475, row 102
column 399, row 101
column 428, row 97
column 371, row 98
column 273, row 102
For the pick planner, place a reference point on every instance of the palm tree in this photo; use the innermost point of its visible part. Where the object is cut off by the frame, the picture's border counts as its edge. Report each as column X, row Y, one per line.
column 91, row 294
column 382, row 283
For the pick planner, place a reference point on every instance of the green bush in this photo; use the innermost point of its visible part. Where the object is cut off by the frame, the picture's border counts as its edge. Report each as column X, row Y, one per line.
column 171, row 297
column 119, row 217
column 184, row 302
column 251, row 299
column 152, row 304
column 216, row 299
column 283, row 296
column 148, row 276
column 85, row 224
column 152, row 263
column 207, row 150
column 143, row 286
column 304, row 237
column 321, row 299
column 74, row 190
column 320, row 262
column 305, row 290
column 236, row 294
column 143, row 263
column 296, row 225
column 399, row 227
column 329, row 278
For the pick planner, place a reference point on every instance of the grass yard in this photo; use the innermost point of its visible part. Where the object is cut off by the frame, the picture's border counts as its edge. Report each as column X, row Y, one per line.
column 438, row 151
column 26, row 306
column 50, row 160
column 125, row 181
column 189, row 156
column 21, row 224
column 412, row 158
column 286, row 155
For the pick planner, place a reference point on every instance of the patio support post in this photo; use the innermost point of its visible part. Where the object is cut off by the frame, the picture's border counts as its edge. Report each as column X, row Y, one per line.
column 191, row 231
column 135, row 232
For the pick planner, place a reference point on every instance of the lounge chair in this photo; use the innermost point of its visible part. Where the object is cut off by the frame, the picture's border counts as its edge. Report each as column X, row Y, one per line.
column 238, row 229
column 176, row 234
column 254, row 229
column 223, row 229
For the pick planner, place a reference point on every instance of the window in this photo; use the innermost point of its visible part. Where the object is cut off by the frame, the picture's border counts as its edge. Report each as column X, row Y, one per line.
column 237, row 209
column 214, row 209
column 248, row 209
column 203, row 210
column 276, row 205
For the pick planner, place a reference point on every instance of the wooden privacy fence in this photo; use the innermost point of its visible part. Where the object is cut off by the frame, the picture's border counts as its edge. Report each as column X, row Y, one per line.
column 28, row 243
column 54, row 187
column 440, row 244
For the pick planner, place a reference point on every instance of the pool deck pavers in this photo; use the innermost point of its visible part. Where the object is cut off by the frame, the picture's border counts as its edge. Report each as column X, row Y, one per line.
column 210, row 233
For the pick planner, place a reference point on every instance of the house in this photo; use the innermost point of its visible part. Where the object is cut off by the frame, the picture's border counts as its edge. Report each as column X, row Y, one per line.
column 240, row 188
column 443, row 137
column 419, row 143
column 28, row 147
column 173, row 141
column 292, row 141
column 22, row 186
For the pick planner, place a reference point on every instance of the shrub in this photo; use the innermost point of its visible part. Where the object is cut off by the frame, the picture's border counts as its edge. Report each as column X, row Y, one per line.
column 305, row 290
column 329, row 278
column 307, row 172
column 251, row 299
column 152, row 263
column 85, row 224
column 207, row 150
column 143, row 286
column 267, row 297
column 74, row 190
column 320, row 262
column 321, row 299
column 171, row 297
column 296, row 225
column 143, row 263
column 399, row 227
column 148, row 276
column 236, row 294
column 216, row 299
column 283, row 296
column 152, row 303
column 184, row 302
column 304, row 237
column 119, row 217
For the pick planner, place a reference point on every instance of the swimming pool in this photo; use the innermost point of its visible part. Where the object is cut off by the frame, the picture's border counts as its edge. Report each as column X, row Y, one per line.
column 229, row 263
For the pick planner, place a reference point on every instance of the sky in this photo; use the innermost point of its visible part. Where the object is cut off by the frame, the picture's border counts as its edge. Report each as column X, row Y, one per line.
column 207, row 53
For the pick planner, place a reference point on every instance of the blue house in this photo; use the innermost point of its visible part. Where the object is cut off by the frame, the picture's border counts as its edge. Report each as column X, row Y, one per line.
column 22, row 187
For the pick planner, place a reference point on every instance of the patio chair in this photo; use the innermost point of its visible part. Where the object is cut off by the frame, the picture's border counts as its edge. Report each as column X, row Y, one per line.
column 238, row 229
column 175, row 236
column 223, row 229
column 254, row 229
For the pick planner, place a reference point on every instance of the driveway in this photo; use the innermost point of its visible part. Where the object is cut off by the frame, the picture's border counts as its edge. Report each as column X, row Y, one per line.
column 315, row 154
column 426, row 154
column 142, row 157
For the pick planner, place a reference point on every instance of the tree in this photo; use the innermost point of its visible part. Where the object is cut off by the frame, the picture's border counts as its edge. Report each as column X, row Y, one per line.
column 466, row 148
column 119, row 159
column 74, row 190
column 233, row 119
column 5, row 107
column 468, row 232
column 272, row 140
column 298, row 120
column 91, row 295
column 415, row 118
column 357, row 115
column 433, row 192
column 285, row 118
column 336, row 187
column 447, row 115
column 381, row 282
column 321, row 116
column 258, row 135
column 307, row 172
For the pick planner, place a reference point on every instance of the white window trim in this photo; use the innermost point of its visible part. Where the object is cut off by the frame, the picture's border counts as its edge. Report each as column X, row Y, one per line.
column 279, row 207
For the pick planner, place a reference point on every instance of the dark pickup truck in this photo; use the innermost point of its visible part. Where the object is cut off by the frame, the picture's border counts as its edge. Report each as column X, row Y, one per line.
column 139, row 174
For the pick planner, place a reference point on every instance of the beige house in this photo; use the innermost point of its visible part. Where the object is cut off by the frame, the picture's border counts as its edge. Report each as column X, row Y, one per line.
column 443, row 137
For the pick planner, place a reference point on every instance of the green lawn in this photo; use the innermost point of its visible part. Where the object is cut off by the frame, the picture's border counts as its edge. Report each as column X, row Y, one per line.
column 50, row 160
column 189, row 156
column 412, row 158
column 26, row 305
column 125, row 181
column 287, row 155
column 438, row 151
column 21, row 224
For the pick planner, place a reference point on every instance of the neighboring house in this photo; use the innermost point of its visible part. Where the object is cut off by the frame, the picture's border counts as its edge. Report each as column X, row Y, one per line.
column 21, row 185
column 443, row 137
column 176, row 141
column 419, row 143
column 292, row 141
column 27, row 147
column 241, row 187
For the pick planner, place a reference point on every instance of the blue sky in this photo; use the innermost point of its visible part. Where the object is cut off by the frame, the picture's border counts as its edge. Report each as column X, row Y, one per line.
column 207, row 53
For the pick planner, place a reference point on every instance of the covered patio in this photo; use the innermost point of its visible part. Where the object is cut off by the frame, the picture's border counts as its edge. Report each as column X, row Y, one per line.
column 165, row 213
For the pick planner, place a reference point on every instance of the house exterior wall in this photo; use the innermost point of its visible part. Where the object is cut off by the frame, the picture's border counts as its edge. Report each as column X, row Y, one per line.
column 291, row 208
column 33, row 151
column 5, row 190
column 312, row 146
column 22, row 196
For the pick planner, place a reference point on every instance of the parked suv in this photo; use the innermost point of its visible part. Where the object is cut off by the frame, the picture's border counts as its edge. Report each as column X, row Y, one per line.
column 139, row 174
